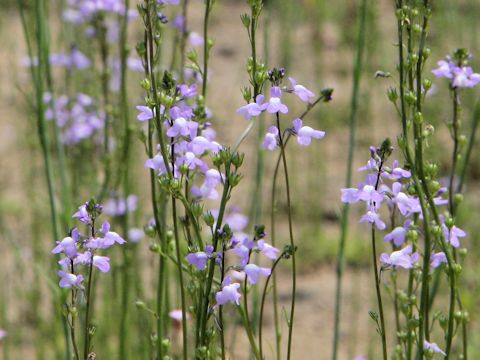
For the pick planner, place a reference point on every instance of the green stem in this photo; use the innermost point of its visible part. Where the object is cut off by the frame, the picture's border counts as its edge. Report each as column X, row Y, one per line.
column 379, row 295
column 357, row 72
column 262, row 306
column 292, row 242
column 88, row 300
column 206, row 50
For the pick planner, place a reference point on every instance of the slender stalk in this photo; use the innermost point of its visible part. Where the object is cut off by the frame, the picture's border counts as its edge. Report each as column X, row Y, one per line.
column 468, row 152
column 357, row 73
column 206, row 50
column 86, row 347
column 211, row 268
column 124, row 338
column 379, row 295
column 262, row 306
column 455, row 129
column 179, row 260
column 183, row 40
column 292, row 241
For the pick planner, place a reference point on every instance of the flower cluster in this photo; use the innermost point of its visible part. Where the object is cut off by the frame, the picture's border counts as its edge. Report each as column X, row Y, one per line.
column 241, row 246
column 399, row 198
column 456, row 70
column 81, row 11
column 78, row 117
column 78, row 249
column 274, row 105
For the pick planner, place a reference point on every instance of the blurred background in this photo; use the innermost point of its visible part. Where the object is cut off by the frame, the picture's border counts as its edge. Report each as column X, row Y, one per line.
column 315, row 41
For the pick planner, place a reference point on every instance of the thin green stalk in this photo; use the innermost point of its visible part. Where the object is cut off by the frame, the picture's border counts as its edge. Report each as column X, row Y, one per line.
column 183, row 40
column 292, row 241
column 206, row 50
column 88, row 300
column 278, row 333
column 211, row 266
column 262, row 306
column 38, row 81
column 357, row 73
column 179, row 261
column 379, row 295
column 468, row 152
column 124, row 338
column 455, row 138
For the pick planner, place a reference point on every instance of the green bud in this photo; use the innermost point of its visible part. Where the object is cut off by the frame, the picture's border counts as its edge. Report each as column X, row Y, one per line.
column 410, row 98
column 462, row 139
column 463, row 252
column 426, row 53
column 145, row 84
column 259, row 231
column 150, row 230
column 413, row 323
column 412, row 235
column 417, row 29
column 237, row 159
column 392, row 94
column 458, row 199
column 245, row 20
column 169, row 235
column 427, row 84
column 247, row 93
column 418, row 118
column 434, row 186
column 155, row 248
column 209, row 219
column 140, row 305
column 457, row 268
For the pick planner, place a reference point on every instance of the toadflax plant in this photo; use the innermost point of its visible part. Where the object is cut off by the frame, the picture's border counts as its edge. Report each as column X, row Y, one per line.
column 414, row 210
column 80, row 256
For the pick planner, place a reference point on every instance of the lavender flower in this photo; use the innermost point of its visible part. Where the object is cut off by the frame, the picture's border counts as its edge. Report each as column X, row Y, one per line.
column 397, row 236
column 68, row 280
column 306, row 133
column 274, row 104
column 252, row 109
column 433, row 347
column 438, row 259
column 372, row 217
column 301, row 91
column 145, row 113
column 452, row 235
column 271, row 139
column 253, row 272
column 401, row 258
column 268, row 250
column 229, row 292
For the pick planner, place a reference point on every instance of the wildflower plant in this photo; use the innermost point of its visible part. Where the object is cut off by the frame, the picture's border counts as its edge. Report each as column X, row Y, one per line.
column 210, row 266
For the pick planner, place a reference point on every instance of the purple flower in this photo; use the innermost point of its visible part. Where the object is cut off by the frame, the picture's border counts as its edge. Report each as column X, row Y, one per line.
column 401, row 258
column 135, row 64
column 236, row 220
column 407, row 205
column 453, row 235
column 438, row 259
column 433, row 347
column 373, row 217
column 119, row 206
column 200, row 145
column 188, row 91
column 100, row 262
column 271, row 139
column 198, row 259
column 157, row 164
column 252, row 109
column 274, row 104
column 78, row 60
column 397, row 236
column 445, row 69
column 135, row 235
column 68, row 246
column 195, row 39
column 145, row 113
column 179, row 23
column 68, row 280
column 180, row 127
column 243, row 252
column 306, row 133
column 253, row 272
column 229, row 292
column 268, row 250
column 397, row 172
column 301, row 91
column 3, row 334
column 464, row 77
column 82, row 214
